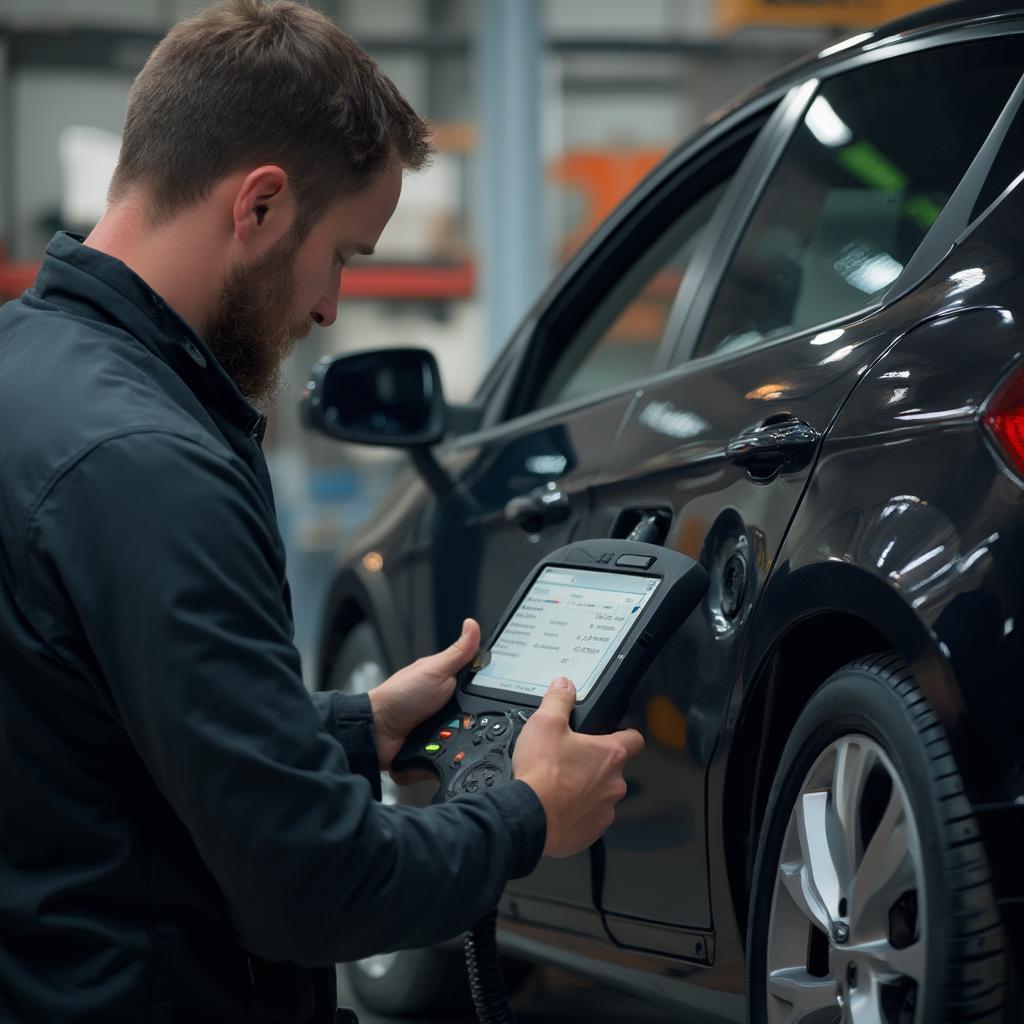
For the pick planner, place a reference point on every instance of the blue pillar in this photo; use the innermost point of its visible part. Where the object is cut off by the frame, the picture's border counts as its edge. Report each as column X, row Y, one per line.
column 510, row 241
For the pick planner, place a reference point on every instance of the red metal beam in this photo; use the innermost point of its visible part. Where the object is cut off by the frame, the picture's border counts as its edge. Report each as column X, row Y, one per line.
column 409, row 281
column 398, row 281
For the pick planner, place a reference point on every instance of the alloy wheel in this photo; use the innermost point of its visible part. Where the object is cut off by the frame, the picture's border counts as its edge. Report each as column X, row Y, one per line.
column 846, row 933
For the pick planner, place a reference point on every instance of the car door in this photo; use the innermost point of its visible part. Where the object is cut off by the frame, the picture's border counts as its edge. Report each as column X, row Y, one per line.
column 716, row 452
column 519, row 486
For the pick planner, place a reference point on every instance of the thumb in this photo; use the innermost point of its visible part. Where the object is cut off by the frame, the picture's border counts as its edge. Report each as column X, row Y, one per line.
column 452, row 658
column 560, row 698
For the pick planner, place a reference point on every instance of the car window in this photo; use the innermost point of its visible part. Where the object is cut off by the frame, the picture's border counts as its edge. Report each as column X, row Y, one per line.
column 878, row 154
column 618, row 339
column 1006, row 168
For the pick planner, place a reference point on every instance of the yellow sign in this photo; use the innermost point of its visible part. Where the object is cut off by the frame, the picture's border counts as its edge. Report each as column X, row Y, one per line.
column 736, row 14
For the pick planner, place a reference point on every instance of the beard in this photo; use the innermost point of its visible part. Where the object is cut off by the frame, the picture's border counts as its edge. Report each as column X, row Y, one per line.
column 252, row 330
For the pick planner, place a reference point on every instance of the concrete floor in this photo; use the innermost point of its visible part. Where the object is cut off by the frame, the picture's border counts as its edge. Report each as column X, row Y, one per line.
column 551, row 996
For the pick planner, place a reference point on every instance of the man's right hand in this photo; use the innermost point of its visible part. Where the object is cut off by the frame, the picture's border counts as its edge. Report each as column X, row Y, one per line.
column 578, row 778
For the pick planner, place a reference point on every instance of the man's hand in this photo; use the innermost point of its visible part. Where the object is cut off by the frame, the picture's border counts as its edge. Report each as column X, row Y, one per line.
column 415, row 692
column 578, row 778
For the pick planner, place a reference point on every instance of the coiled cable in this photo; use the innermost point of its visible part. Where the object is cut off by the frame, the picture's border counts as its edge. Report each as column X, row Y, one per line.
column 486, row 981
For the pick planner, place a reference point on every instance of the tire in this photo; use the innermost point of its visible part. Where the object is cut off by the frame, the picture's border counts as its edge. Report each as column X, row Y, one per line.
column 428, row 981
column 360, row 664
column 872, row 897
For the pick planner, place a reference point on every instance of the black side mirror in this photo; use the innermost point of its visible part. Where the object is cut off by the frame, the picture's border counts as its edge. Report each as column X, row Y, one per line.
column 387, row 396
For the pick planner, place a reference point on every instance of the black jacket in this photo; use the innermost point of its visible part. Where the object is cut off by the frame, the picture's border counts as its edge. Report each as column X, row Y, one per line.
column 179, row 820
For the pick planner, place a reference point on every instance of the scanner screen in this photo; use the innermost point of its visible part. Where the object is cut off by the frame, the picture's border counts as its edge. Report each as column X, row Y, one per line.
column 571, row 622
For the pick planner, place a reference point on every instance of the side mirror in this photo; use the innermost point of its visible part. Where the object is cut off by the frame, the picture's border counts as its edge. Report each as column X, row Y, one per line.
column 387, row 396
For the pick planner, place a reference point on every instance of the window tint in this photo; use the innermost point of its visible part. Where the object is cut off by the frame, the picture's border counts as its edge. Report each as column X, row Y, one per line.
column 880, row 151
column 618, row 339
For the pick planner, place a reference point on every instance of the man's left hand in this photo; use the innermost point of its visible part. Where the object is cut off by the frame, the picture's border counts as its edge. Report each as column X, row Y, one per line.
column 417, row 691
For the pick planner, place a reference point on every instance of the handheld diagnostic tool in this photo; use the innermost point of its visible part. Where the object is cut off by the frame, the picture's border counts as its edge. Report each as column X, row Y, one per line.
column 596, row 611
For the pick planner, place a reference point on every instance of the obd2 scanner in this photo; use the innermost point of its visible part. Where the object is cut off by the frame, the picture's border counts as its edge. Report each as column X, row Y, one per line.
column 597, row 611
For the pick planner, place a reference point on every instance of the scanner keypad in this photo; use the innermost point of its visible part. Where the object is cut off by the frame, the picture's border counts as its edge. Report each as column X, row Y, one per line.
column 478, row 749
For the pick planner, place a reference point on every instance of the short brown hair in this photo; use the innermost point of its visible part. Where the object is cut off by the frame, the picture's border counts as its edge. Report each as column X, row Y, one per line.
column 248, row 82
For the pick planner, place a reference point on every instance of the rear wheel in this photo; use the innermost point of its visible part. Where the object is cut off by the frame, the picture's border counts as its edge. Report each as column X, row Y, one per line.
column 872, row 897
column 422, row 981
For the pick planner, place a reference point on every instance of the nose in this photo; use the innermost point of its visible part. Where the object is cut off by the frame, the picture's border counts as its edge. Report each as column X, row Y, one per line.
column 325, row 312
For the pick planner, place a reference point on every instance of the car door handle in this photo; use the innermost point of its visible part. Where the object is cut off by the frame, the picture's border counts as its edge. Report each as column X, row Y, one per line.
column 773, row 447
column 541, row 507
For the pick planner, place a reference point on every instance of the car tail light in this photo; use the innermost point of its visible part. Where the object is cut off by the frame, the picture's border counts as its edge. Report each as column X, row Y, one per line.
column 1004, row 417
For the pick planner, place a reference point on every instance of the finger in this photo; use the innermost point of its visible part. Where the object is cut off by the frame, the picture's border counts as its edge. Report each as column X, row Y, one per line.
column 560, row 698
column 460, row 653
column 631, row 740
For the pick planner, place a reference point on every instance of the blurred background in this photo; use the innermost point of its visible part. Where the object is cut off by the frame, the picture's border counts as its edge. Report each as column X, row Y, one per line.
column 546, row 113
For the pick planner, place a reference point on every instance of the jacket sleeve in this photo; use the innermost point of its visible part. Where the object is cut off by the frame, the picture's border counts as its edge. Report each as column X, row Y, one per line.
column 349, row 719
column 162, row 550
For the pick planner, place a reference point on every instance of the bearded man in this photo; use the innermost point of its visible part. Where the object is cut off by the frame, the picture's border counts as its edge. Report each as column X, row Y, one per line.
column 185, row 833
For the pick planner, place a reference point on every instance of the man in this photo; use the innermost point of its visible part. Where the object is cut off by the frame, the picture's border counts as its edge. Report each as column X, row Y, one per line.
column 185, row 834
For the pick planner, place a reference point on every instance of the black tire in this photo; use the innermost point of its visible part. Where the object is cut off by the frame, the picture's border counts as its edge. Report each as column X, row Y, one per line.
column 361, row 653
column 868, row 706
column 430, row 981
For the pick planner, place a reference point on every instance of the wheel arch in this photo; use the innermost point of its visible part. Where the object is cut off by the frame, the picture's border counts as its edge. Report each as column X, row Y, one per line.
column 809, row 623
column 356, row 596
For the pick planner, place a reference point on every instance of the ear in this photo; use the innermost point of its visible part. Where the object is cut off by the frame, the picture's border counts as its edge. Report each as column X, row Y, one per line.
column 264, row 208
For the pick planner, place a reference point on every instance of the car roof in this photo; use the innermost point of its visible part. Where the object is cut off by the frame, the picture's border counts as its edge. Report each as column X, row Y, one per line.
column 937, row 18
column 953, row 12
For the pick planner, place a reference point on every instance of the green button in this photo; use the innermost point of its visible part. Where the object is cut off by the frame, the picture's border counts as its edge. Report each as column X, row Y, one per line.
column 433, row 748
column 454, row 724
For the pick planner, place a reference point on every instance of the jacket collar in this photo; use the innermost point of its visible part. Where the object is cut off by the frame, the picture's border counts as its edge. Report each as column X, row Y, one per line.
column 103, row 288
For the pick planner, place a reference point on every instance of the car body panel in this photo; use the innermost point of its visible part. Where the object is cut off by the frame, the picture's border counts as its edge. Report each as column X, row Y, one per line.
column 471, row 549
column 672, row 454
column 936, row 516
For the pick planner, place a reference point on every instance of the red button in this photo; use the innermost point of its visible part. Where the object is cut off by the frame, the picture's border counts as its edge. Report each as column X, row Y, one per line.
column 459, row 756
column 445, row 734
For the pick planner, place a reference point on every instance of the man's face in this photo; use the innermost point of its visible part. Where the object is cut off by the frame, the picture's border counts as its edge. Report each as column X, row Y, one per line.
column 267, row 306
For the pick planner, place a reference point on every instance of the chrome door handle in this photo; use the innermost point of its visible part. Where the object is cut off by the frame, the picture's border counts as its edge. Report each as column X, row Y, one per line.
column 777, row 446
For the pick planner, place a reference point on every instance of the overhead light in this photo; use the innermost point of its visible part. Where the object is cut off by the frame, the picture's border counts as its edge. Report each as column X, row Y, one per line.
column 826, row 125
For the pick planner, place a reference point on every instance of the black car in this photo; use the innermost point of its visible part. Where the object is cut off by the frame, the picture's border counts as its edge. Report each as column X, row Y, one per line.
column 794, row 353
